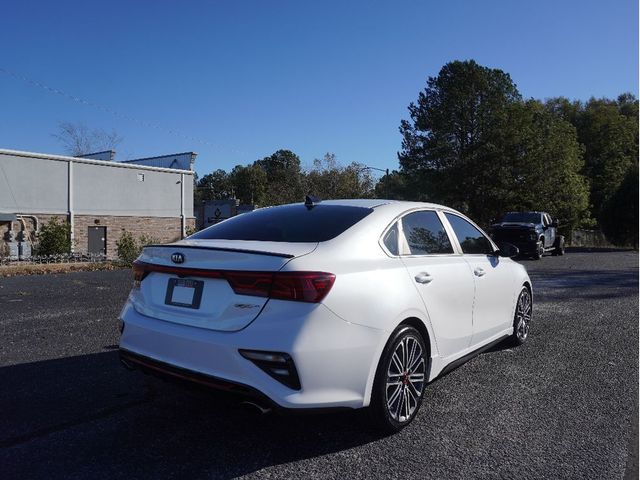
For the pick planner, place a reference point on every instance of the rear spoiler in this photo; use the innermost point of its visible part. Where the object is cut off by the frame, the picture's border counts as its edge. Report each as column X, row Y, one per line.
column 223, row 249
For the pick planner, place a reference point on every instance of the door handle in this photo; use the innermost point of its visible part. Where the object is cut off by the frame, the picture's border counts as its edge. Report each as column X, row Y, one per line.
column 479, row 272
column 423, row 277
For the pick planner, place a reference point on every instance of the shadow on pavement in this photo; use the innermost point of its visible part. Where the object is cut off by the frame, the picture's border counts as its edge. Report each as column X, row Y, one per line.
column 102, row 421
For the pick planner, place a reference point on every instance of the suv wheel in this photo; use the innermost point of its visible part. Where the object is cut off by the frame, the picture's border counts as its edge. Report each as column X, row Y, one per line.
column 400, row 381
column 539, row 250
column 559, row 246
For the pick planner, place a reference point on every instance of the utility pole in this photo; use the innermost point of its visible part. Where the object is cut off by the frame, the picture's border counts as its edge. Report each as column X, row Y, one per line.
column 386, row 172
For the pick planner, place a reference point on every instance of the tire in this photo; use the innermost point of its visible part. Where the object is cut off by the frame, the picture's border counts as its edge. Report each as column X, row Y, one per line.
column 539, row 250
column 397, row 392
column 522, row 318
column 559, row 246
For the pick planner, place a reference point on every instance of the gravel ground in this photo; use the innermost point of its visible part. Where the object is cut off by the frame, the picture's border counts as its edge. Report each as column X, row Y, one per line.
column 562, row 406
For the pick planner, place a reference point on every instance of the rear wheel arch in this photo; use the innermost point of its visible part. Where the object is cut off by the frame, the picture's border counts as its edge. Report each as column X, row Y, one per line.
column 422, row 328
column 427, row 337
column 380, row 410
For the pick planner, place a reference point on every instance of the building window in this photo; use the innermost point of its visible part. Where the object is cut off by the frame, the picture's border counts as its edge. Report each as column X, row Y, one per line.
column 141, row 177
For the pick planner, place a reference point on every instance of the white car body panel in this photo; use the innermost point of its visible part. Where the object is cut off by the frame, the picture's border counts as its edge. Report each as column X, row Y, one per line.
column 335, row 344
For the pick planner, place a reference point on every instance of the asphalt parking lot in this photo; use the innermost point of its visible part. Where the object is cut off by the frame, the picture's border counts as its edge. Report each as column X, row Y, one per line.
column 562, row 406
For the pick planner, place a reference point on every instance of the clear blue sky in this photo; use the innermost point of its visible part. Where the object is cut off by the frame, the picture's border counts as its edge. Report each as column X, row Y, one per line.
column 244, row 79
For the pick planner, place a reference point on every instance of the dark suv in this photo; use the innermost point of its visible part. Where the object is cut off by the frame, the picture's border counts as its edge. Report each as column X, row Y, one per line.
column 534, row 233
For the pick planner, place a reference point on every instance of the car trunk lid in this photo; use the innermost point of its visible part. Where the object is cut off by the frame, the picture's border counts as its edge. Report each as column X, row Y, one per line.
column 190, row 282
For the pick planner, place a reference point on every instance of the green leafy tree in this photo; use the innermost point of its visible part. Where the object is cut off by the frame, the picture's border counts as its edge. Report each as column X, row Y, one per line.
column 54, row 238
column 473, row 144
column 249, row 184
column 620, row 213
column 608, row 131
column 216, row 185
column 541, row 167
column 457, row 134
column 328, row 179
column 393, row 186
column 284, row 179
column 611, row 147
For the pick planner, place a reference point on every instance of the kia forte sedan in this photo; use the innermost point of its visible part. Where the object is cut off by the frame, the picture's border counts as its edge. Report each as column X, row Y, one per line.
column 320, row 305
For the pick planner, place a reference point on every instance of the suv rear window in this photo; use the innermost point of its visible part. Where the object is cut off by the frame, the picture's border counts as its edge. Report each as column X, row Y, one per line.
column 287, row 223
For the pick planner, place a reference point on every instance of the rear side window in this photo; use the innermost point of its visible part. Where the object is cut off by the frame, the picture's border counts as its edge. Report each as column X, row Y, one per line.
column 287, row 223
column 471, row 239
column 425, row 234
column 390, row 239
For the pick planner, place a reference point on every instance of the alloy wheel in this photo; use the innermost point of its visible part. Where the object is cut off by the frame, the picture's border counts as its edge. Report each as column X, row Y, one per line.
column 523, row 315
column 405, row 379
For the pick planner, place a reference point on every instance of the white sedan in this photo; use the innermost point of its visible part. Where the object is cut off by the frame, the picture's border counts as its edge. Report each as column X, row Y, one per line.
column 334, row 304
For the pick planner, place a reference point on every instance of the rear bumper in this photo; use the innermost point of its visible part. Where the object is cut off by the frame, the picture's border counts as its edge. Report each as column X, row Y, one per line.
column 335, row 360
column 162, row 370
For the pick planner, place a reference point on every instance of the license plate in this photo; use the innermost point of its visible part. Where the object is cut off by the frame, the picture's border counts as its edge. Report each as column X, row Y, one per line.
column 184, row 293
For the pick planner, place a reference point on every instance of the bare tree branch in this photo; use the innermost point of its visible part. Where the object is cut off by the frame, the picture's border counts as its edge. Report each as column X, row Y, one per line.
column 78, row 140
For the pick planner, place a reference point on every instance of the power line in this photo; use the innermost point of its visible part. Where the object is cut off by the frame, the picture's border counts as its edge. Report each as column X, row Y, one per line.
column 111, row 111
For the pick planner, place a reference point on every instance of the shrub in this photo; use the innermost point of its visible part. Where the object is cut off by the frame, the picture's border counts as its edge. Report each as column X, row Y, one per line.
column 145, row 240
column 127, row 248
column 54, row 238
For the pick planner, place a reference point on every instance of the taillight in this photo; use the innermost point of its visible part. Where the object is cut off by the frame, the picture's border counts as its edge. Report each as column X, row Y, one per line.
column 301, row 286
column 257, row 284
column 139, row 272
column 297, row 286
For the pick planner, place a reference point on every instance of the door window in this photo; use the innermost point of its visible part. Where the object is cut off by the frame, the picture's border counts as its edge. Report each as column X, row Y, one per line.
column 390, row 239
column 472, row 240
column 425, row 234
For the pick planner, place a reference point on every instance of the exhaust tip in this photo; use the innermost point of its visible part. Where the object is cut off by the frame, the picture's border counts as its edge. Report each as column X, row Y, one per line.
column 256, row 407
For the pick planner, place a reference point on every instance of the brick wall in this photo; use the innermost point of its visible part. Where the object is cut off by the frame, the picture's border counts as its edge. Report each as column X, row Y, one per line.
column 160, row 229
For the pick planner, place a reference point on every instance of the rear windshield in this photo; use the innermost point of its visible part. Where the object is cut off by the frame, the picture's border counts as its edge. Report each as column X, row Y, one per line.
column 521, row 217
column 287, row 223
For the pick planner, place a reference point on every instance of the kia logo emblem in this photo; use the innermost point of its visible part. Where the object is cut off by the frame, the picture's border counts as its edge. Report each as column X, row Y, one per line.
column 177, row 257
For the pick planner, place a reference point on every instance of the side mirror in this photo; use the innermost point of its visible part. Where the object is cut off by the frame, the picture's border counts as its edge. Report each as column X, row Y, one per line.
column 507, row 250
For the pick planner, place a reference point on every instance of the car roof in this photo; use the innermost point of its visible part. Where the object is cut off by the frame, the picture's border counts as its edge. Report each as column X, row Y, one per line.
column 378, row 202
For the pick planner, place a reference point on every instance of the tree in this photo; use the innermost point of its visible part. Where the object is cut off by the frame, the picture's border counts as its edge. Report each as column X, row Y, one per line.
column 78, row 139
column 608, row 130
column 620, row 213
column 393, row 186
column 214, row 186
column 328, row 179
column 473, row 144
column 249, row 184
column 611, row 147
column 543, row 167
column 284, row 180
column 457, row 134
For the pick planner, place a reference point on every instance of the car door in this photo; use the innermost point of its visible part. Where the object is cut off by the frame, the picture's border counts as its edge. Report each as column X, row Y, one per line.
column 493, row 277
column 549, row 231
column 442, row 277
